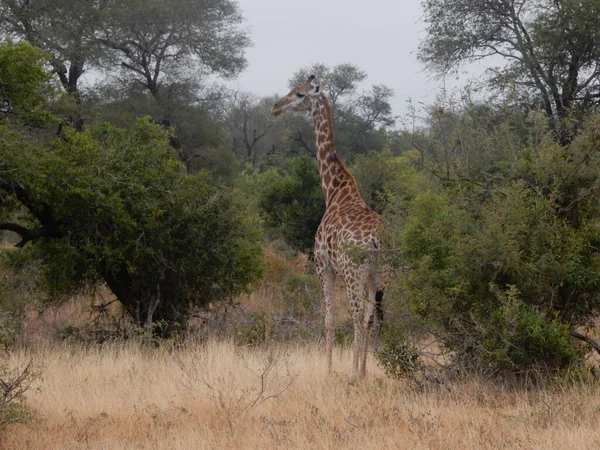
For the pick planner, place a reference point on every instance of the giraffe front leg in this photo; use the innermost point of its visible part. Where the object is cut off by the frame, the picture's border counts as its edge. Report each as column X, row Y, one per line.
column 329, row 333
column 359, row 344
column 328, row 283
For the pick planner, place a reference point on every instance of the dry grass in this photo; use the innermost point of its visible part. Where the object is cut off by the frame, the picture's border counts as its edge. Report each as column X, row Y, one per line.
column 268, row 297
column 216, row 396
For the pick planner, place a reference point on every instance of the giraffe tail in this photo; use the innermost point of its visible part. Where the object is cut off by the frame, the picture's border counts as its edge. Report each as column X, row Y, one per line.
column 379, row 318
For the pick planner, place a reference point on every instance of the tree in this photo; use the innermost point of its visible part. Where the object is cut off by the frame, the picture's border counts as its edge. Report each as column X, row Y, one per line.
column 24, row 87
column 153, row 43
column 384, row 180
column 551, row 49
column 178, row 39
column 255, row 134
column 503, row 253
column 359, row 118
column 292, row 203
column 114, row 206
column 120, row 210
column 63, row 28
column 164, row 46
column 190, row 111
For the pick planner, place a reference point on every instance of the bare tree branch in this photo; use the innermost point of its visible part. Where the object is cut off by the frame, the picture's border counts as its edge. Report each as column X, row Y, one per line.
column 588, row 340
column 41, row 210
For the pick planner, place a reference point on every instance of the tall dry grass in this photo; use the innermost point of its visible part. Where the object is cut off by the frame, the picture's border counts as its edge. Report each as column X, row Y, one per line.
column 214, row 395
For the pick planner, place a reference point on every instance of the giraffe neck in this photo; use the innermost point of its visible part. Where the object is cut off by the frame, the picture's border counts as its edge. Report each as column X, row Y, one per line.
column 337, row 182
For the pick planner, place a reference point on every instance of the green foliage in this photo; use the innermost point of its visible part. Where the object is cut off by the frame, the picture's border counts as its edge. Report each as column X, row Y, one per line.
column 517, row 338
column 532, row 229
column 292, row 203
column 300, row 294
column 187, row 109
column 62, row 28
column 24, row 84
column 395, row 355
column 115, row 206
column 131, row 217
column 256, row 329
column 388, row 182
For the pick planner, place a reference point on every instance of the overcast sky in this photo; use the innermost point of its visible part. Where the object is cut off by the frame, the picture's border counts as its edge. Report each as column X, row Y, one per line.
column 379, row 36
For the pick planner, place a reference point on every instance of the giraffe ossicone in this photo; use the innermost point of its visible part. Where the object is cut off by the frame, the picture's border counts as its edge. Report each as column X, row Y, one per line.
column 348, row 228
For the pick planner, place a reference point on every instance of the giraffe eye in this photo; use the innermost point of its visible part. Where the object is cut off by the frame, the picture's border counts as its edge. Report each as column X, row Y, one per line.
column 298, row 94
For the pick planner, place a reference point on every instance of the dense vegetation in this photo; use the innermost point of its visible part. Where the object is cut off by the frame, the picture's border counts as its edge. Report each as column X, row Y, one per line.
column 167, row 188
column 116, row 206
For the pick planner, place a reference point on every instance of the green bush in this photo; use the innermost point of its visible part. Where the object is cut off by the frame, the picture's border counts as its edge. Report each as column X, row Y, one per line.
column 518, row 339
column 383, row 178
column 301, row 294
column 503, row 255
column 395, row 355
column 121, row 210
column 292, row 203
column 115, row 206
column 25, row 86
column 255, row 328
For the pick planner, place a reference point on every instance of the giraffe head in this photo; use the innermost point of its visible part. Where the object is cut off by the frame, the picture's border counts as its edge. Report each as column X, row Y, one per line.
column 298, row 98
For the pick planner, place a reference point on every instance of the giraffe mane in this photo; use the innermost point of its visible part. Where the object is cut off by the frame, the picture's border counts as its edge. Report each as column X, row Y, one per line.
column 334, row 157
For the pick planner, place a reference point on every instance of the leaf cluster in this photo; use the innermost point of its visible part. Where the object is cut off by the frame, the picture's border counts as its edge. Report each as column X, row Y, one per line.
column 24, row 84
column 292, row 203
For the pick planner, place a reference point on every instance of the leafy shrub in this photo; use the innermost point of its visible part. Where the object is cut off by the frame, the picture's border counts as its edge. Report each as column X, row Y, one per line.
column 301, row 294
column 24, row 84
column 292, row 203
column 395, row 355
column 519, row 339
column 14, row 384
column 255, row 329
column 504, row 253
column 125, row 213
column 382, row 178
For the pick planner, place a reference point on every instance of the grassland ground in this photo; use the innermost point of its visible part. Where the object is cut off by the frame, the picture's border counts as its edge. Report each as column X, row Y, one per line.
column 217, row 395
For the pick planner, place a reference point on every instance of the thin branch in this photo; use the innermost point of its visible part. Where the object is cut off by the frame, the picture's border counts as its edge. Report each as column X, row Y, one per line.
column 304, row 144
column 588, row 340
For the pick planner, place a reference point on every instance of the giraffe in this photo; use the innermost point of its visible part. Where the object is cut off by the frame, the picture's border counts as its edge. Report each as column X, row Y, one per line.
column 348, row 224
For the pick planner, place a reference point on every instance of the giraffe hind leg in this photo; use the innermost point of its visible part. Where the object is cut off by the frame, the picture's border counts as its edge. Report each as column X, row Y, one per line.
column 369, row 317
column 357, row 310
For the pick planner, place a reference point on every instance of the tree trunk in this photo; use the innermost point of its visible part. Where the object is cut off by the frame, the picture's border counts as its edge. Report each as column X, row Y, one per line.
column 147, row 307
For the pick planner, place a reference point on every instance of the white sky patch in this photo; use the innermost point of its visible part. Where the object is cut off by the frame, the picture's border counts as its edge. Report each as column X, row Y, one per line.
column 381, row 37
